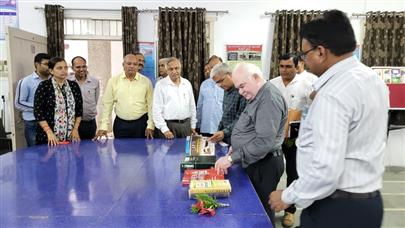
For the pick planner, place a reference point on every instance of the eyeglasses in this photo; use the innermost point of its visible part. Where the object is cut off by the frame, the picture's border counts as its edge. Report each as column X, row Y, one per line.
column 220, row 80
column 305, row 53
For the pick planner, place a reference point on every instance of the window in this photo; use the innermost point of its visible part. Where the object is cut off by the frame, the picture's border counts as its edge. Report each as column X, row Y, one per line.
column 92, row 29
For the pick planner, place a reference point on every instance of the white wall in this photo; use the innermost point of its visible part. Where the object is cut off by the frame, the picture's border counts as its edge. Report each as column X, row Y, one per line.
column 244, row 24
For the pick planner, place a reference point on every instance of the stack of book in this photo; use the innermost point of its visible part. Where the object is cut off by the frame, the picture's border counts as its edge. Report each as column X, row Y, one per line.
column 199, row 154
column 215, row 188
column 200, row 174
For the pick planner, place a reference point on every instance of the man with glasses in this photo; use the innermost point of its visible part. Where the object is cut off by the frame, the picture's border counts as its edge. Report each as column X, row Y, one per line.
column 301, row 72
column 90, row 88
column 341, row 142
column 233, row 103
column 24, row 97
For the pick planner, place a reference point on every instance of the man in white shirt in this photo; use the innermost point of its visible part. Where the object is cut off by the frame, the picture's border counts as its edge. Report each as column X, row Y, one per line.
column 174, row 111
column 302, row 72
column 342, row 139
column 296, row 91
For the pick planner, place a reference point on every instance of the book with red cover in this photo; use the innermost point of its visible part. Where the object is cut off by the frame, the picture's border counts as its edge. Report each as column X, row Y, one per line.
column 200, row 174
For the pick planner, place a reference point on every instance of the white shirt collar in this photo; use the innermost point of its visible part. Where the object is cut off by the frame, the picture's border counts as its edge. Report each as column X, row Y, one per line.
column 170, row 82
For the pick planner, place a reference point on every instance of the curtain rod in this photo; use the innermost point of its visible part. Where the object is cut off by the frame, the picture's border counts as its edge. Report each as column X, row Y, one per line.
column 271, row 14
column 139, row 10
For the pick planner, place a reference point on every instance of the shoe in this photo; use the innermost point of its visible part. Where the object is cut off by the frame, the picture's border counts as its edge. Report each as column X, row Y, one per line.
column 288, row 219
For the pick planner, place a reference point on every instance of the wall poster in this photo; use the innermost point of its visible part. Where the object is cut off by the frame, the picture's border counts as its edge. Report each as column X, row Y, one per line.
column 244, row 53
column 148, row 50
column 394, row 77
column 8, row 16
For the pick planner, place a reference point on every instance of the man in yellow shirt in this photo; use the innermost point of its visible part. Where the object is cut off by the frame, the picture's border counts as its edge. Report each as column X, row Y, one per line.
column 131, row 94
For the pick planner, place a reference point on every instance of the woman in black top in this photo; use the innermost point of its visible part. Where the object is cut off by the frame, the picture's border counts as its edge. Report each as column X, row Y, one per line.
column 58, row 106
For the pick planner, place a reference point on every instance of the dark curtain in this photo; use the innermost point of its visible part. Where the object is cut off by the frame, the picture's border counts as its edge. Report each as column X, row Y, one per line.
column 384, row 40
column 54, row 17
column 129, row 30
column 182, row 35
column 286, row 34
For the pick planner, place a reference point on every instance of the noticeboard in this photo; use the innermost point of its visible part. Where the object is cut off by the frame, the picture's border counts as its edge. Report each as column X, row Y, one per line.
column 394, row 77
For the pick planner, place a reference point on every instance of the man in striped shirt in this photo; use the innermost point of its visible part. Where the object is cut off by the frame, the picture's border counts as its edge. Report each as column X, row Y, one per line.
column 341, row 140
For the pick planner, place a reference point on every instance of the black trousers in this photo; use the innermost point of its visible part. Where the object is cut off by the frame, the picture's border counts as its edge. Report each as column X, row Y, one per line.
column 130, row 128
column 290, row 155
column 179, row 130
column 265, row 175
column 343, row 212
column 87, row 129
column 206, row 134
column 227, row 140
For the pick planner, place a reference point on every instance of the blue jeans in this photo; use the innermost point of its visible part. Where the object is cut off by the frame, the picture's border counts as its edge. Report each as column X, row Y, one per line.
column 30, row 129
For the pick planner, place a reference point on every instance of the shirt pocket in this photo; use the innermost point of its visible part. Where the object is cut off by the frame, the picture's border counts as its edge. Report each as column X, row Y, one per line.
column 245, row 122
column 90, row 92
column 185, row 97
column 297, row 101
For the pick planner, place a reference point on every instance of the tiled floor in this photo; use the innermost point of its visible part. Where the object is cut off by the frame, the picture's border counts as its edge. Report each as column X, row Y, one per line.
column 393, row 193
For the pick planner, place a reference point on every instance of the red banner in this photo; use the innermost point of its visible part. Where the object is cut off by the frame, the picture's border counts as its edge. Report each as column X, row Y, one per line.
column 397, row 95
column 257, row 48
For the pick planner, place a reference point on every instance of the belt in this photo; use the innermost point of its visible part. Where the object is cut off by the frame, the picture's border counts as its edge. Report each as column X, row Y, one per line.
column 128, row 121
column 131, row 121
column 178, row 121
column 87, row 120
column 274, row 153
column 349, row 195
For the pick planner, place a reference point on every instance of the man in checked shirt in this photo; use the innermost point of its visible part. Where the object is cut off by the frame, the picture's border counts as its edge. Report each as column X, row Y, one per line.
column 233, row 103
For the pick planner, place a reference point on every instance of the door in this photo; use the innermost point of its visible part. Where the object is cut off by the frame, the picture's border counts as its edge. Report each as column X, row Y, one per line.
column 22, row 48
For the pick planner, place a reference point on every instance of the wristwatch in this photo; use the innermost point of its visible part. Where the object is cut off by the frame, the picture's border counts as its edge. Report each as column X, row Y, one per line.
column 229, row 158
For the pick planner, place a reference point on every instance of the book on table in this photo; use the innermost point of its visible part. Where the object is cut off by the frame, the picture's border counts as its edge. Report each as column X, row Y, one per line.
column 198, row 145
column 200, row 174
column 199, row 153
column 216, row 188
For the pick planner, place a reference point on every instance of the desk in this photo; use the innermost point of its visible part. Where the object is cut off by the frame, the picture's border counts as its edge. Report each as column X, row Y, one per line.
column 116, row 183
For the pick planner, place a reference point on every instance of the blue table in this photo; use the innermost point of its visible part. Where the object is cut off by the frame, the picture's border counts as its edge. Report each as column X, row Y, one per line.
column 115, row 183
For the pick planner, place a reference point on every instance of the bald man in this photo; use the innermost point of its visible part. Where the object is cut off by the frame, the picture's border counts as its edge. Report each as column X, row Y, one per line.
column 162, row 68
column 259, row 133
column 130, row 93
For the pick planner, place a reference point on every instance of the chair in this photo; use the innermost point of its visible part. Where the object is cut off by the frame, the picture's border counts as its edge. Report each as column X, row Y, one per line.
column 396, row 120
column 5, row 142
